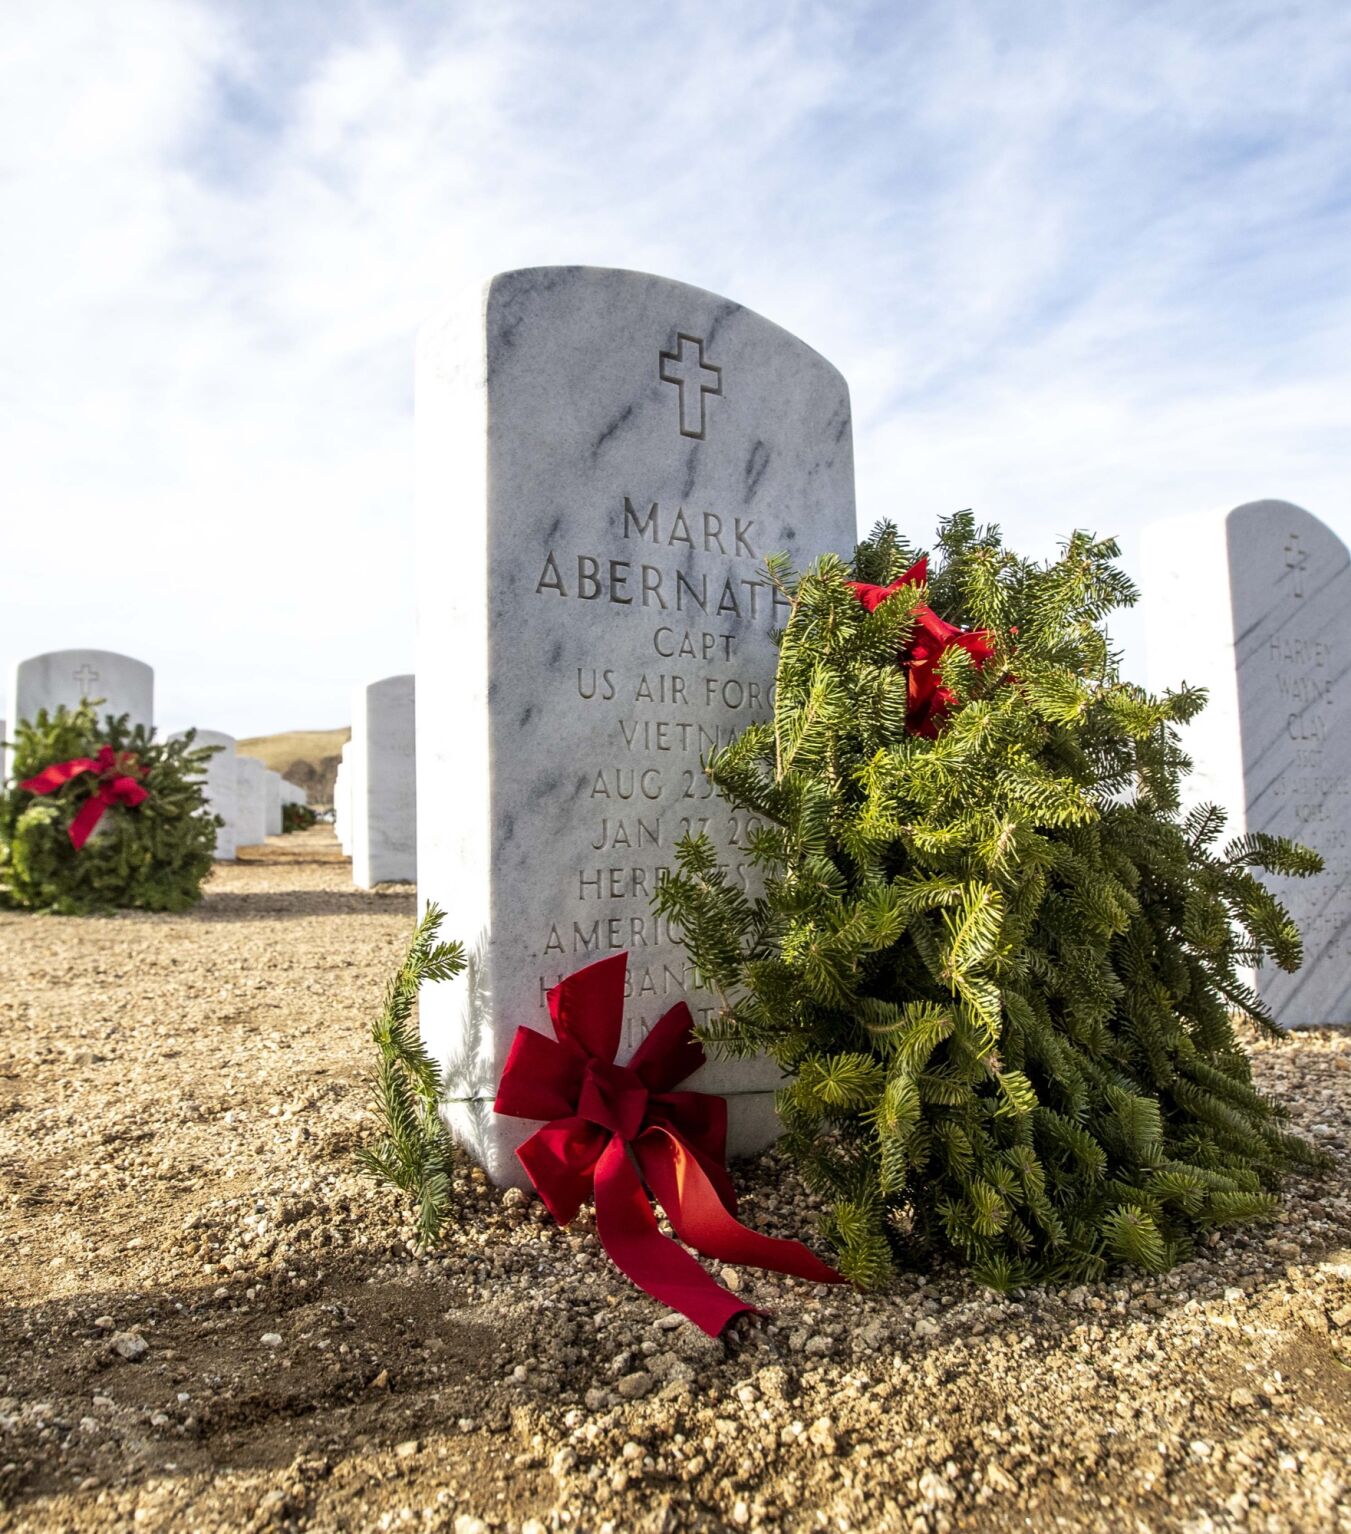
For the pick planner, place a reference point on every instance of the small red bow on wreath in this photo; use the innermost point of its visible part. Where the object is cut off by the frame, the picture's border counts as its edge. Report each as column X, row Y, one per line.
column 610, row 1123
column 115, row 786
column 928, row 701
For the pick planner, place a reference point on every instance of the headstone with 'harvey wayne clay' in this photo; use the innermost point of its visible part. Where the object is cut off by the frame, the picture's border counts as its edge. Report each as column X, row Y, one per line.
column 605, row 460
column 1255, row 605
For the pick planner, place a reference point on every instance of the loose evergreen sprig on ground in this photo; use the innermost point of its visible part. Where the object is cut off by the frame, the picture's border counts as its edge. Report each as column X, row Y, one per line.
column 999, row 966
column 414, row 1153
column 154, row 856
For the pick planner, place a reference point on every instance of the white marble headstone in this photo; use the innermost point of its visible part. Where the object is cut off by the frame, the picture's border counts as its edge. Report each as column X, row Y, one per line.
column 222, row 788
column 127, row 686
column 605, row 460
column 384, row 782
column 272, row 801
column 342, row 800
column 1255, row 605
column 251, row 803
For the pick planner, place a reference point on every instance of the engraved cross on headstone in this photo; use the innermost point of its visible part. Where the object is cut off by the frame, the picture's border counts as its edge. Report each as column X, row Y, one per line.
column 83, row 676
column 685, row 367
column 1296, row 559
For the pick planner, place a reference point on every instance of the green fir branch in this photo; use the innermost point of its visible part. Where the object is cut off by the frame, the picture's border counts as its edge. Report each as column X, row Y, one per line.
column 414, row 1152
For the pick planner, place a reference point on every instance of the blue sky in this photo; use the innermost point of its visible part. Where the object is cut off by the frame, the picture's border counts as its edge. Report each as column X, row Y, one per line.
column 1082, row 264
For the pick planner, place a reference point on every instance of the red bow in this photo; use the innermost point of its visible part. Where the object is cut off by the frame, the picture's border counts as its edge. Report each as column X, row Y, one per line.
column 928, row 699
column 115, row 786
column 605, row 1117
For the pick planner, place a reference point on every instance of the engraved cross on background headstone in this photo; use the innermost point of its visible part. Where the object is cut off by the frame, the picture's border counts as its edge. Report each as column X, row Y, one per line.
column 685, row 367
column 83, row 676
column 1296, row 559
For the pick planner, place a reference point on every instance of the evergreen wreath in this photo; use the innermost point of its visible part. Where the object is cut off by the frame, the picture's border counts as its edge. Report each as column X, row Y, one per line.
column 297, row 817
column 999, row 966
column 153, row 856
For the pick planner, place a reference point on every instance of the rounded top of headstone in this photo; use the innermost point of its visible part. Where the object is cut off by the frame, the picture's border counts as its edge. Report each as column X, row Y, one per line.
column 622, row 287
column 206, row 737
column 1285, row 537
column 607, row 372
column 404, row 681
column 118, row 684
column 111, row 657
column 1268, row 504
column 1268, row 512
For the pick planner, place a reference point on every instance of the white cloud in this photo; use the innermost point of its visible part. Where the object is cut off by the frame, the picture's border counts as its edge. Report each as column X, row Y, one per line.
column 1082, row 265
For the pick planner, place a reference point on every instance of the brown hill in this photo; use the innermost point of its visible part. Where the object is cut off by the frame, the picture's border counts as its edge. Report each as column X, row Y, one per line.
column 307, row 758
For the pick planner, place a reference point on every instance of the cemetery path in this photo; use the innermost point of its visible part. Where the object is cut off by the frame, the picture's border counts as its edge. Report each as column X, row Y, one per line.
column 212, row 1321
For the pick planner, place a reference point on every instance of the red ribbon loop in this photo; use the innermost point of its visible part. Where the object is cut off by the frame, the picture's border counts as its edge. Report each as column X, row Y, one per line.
column 607, row 1123
column 115, row 786
column 928, row 700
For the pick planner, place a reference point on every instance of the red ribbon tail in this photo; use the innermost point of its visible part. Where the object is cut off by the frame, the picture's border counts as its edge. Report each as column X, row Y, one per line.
column 58, row 774
column 627, row 1227
column 87, row 817
column 701, row 1220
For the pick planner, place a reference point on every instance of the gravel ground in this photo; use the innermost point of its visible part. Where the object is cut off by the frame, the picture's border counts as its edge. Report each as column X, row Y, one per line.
column 213, row 1321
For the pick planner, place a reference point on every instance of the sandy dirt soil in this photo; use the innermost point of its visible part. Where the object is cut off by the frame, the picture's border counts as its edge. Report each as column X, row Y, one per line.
column 212, row 1321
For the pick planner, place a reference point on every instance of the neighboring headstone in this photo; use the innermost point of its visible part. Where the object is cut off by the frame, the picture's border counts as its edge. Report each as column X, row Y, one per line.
column 292, row 793
column 222, row 789
column 342, row 800
column 127, row 686
column 251, row 803
column 605, row 460
column 272, row 801
column 384, row 782
column 1255, row 605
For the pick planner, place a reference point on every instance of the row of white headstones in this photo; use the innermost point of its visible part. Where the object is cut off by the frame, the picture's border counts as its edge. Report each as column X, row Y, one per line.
column 605, row 458
column 374, row 800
